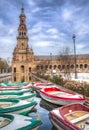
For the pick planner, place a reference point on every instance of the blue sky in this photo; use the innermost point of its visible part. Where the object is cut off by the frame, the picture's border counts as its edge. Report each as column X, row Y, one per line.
column 51, row 25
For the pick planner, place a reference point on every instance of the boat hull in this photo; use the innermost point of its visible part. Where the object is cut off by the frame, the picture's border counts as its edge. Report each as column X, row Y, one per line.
column 16, row 106
column 60, row 97
column 18, row 122
column 59, row 101
column 70, row 117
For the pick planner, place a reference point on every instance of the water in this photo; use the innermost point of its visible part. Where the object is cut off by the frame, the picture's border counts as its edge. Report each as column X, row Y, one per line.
column 42, row 109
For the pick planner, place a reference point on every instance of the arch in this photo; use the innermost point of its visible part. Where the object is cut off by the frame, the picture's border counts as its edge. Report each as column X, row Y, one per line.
column 63, row 66
column 76, row 65
column 46, row 66
column 68, row 66
column 72, row 66
column 29, row 69
column 59, row 66
column 85, row 66
column 42, row 67
column 55, row 66
column 50, row 66
column 37, row 67
column 22, row 68
column 81, row 66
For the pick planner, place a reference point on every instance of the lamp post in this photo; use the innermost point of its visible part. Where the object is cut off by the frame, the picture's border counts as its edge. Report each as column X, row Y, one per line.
column 74, row 37
column 51, row 61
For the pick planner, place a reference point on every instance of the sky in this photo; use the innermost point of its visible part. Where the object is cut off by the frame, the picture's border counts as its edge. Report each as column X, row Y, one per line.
column 50, row 23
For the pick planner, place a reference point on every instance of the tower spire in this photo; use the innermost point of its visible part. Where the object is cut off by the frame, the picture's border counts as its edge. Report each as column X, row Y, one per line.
column 22, row 9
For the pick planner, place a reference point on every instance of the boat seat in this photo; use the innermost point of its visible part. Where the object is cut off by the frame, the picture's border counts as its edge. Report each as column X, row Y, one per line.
column 54, row 93
column 80, row 118
column 1, row 120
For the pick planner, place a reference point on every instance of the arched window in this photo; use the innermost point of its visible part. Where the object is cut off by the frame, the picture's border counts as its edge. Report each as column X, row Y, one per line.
column 72, row 66
column 50, row 67
column 81, row 66
column 67, row 66
column 29, row 69
column 46, row 66
column 42, row 67
column 85, row 65
column 55, row 66
column 63, row 66
column 22, row 68
column 76, row 65
column 59, row 66
column 19, row 33
column 37, row 67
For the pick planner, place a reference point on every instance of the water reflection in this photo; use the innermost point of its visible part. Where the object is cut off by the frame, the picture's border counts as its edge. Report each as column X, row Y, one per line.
column 46, row 105
column 42, row 109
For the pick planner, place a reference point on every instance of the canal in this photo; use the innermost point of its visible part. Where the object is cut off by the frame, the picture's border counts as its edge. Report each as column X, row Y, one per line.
column 42, row 109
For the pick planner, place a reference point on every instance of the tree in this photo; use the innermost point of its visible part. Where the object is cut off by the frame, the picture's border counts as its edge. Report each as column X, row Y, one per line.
column 3, row 64
column 65, row 61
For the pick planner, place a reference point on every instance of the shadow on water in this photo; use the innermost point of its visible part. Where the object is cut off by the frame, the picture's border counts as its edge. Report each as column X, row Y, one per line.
column 42, row 109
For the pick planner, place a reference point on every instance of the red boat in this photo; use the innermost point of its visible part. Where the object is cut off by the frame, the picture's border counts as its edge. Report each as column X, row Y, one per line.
column 70, row 117
column 60, row 97
column 40, row 85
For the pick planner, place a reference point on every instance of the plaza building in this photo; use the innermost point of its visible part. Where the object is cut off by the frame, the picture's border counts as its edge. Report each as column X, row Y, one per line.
column 24, row 62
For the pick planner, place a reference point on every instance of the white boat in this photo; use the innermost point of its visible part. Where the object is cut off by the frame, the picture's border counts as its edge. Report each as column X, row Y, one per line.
column 24, row 96
column 70, row 117
column 60, row 97
column 18, row 122
column 16, row 106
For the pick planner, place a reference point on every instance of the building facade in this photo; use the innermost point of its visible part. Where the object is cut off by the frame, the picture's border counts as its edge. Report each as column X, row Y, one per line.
column 24, row 62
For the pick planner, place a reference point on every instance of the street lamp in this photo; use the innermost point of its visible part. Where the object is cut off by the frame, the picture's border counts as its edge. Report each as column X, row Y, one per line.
column 74, row 37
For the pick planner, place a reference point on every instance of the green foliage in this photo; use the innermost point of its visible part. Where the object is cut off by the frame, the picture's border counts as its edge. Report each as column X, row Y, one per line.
column 3, row 64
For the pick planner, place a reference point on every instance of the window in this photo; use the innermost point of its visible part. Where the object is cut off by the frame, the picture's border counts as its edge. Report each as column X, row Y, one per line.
column 14, row 78
column 14, row 69
column 30, row 69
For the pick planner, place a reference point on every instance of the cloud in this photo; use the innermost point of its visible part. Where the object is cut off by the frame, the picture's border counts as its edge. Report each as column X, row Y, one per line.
column 50, row 24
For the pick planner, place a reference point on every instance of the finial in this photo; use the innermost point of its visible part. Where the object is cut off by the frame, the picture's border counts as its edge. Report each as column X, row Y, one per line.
column 22, row 9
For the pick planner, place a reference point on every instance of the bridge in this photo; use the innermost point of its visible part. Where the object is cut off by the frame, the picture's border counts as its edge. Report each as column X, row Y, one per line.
column 5, row 77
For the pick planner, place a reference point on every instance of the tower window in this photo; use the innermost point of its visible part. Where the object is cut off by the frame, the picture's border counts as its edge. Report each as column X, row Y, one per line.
column 22, row 21
column 22, row 46
column 15, row 69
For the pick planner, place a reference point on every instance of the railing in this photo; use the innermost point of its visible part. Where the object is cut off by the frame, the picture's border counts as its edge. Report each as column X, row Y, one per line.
column 38, row 78
column 5, row 77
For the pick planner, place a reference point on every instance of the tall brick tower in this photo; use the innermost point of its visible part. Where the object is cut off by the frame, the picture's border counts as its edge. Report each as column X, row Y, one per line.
column 23, row 56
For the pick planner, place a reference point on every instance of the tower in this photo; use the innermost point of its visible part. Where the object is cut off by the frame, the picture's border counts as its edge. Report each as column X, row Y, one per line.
column 23, row 56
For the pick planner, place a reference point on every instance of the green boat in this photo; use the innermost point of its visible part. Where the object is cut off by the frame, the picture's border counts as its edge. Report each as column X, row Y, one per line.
column 13, row 84
column 16, row 106
column 18, row 122
column 25, row 96
column 15, row 92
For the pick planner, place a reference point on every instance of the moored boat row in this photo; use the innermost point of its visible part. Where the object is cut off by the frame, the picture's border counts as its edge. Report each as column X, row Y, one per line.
column 15, row 104
column 74, row 115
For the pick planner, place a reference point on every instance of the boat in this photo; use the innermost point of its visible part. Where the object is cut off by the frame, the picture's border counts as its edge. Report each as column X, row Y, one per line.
column 40, row 85
column 16, row 106
column 59, row 96
column 15, row 92
column 25, row 96
column 18, row 122
column 14, row 86
column 70, row 117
